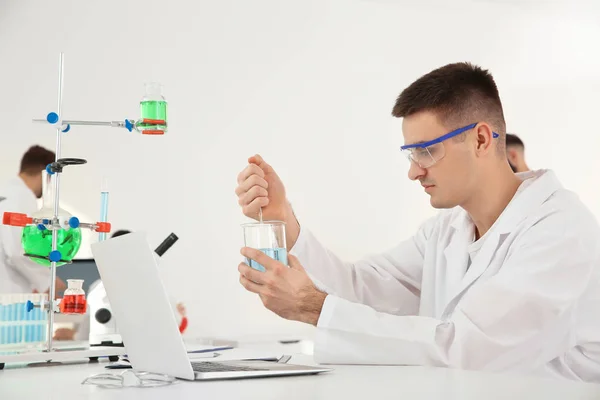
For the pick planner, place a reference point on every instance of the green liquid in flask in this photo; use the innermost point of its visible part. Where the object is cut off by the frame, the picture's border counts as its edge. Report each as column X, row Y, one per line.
column 39, row 243
column 153, row 110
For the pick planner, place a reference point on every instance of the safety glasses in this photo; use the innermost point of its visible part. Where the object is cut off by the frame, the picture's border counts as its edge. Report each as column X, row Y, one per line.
column 129, row 378
column 425, row 154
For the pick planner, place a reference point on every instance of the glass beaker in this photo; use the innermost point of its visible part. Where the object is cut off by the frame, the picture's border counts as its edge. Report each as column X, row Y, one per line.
column 73, row 301
column 268, row 237
column 37, row 239
column 153, row 109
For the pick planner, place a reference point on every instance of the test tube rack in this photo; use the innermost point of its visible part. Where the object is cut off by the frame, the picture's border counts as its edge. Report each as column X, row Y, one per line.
column 51, row 353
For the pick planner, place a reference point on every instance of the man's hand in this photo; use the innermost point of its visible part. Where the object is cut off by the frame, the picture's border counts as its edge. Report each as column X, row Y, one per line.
column 259, row 187
column 288, row 292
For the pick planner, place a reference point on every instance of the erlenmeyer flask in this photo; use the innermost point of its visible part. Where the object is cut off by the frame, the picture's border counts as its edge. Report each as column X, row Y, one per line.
column 73, row 301
column 37, row 240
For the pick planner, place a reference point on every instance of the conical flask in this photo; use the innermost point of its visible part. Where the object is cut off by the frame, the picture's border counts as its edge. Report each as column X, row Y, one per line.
column 37, row 239
column 73, row 301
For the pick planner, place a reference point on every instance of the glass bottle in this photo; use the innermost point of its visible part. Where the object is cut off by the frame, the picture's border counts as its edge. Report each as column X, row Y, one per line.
column 153, row 109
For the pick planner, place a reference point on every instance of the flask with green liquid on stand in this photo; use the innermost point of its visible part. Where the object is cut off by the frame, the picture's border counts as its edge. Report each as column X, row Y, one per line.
column 153, row 110
column 37, row 239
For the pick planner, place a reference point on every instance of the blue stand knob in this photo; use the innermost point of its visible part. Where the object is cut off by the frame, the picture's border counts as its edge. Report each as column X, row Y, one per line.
column 49, row 170
column 74, row 222
column 67, row 129
column 128, row 125
column 41, row 227
column 55, row 256
column 52, row 117
column 29, row 305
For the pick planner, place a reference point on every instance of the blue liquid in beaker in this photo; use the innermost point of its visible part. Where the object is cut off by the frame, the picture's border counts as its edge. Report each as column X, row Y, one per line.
column 278, row 254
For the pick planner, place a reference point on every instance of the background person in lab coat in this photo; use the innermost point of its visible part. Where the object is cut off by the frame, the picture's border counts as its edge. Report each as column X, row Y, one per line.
column 505, row 278
column 18, row 274
column 515, row 152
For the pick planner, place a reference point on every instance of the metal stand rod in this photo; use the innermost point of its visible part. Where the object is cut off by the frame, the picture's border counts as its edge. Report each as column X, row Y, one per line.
column 52, row 293
column 89, row 225
column 114, row 124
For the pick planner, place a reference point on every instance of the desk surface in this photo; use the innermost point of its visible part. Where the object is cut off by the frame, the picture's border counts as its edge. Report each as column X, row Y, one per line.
column 345, row 382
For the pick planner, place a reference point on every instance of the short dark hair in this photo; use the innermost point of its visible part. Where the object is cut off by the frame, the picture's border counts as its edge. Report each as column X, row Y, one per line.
column 459, row 94
column 514, row 140
column 36, row 159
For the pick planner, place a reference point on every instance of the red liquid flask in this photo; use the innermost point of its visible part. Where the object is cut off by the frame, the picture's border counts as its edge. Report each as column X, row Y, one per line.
column 73, row 302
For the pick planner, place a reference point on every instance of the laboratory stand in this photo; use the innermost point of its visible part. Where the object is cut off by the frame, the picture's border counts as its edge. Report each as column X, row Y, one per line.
column 51, row 237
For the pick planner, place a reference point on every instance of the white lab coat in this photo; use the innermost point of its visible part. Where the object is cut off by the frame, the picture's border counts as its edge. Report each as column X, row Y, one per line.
column 18, row 274
column 529, row 302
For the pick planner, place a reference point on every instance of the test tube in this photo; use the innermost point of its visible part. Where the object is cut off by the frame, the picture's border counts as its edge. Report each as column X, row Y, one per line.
column 103, row 206
column 6, row 318
column 13, row 317
column 33, row 317
column 2, row 319
column 44, row 318
column 28, row 319
column 20, row 324
column 39, row 316
column 36, row 332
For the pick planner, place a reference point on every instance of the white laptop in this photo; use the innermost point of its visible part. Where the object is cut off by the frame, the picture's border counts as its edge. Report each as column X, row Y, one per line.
column 129, row 271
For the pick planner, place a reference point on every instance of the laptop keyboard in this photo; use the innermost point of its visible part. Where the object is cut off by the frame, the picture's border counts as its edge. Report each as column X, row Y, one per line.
column 207, row 366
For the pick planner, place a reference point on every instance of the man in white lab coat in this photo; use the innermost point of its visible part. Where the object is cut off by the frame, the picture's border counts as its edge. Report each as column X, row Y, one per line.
column 18, row 274
column 505, row 278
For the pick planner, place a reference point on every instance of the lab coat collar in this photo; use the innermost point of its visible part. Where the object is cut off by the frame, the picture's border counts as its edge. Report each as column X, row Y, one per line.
column 544, row 185
column 524, row 202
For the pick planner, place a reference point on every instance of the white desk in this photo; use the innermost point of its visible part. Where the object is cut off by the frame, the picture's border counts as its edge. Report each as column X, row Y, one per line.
column 345, row 383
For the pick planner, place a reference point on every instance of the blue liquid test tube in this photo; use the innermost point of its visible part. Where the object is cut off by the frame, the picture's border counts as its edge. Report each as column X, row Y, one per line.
column 44, row 326
column 2, row 328
column 37, row 337
column 12, row 318
column 28, row 326
column 20, row 309
column 5, row 318
column 103, row 206
column 33, row 317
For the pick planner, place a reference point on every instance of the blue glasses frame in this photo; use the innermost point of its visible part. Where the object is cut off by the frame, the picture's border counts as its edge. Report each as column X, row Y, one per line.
column 444, row 137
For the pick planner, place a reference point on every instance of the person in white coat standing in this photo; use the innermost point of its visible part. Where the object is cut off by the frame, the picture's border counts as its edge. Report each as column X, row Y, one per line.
column 18, row 274
column 504, row 278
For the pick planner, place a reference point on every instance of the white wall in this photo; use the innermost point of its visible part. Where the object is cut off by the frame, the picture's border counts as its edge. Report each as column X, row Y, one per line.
column 308, row 84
